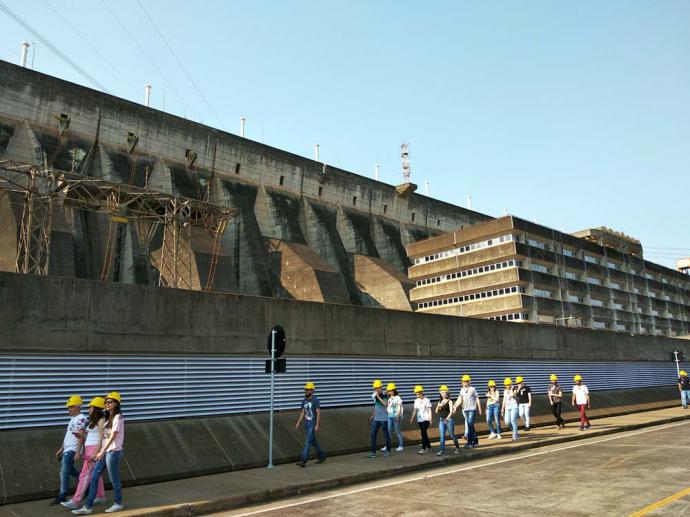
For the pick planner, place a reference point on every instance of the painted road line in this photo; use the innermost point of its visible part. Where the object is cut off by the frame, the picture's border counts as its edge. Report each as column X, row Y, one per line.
column 661, row 503
column 461, row 469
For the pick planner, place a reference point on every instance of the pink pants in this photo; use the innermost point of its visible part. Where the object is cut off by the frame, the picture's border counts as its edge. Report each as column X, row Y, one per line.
column 85, row 476
column 584, row 421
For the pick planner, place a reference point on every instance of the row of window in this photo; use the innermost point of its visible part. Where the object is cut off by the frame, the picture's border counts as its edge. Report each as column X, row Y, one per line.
column 509, row 317
column 464, row 249
column 470, row 272
column 471, row 297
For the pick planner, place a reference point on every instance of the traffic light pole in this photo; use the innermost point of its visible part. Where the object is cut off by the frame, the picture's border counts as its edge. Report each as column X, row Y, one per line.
column 676, row 358
column 270, row 418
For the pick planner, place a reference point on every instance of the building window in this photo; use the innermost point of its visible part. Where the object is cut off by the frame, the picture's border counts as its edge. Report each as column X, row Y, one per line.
column 575, row 298
column 568, row 253
column 614, row 285
column 542, row 292
column 385, row 208
column 438, row 222
column 282, row 180
column 596, row 302
column 571, row 275
column 320, row 191
column 237, row 168
column 537, row 244
column 618, row 306
column 354, row 200
column 591, row 260
column 593, row 280
column 601, row 324
column 540, row 268
column 413, row 216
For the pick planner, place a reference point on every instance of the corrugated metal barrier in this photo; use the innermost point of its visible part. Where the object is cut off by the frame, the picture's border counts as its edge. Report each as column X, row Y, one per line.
column 34, row 388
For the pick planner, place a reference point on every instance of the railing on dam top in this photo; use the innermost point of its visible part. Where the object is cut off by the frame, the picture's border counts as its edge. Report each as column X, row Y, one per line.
column 34, row 388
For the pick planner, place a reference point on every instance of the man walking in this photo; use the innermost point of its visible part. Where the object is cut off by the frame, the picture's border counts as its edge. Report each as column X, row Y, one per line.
column 581, row 399
column 379, row 418
column 684, row 387
column 555, row 399
column 524, row 399
column 311, row 414
column 471, row 406
column 70, row 444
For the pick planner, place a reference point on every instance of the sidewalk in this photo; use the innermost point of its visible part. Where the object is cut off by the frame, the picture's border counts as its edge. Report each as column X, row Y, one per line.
column 207, row 494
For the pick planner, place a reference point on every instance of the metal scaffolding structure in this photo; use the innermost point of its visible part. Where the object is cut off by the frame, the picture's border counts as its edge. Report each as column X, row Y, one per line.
column 43, row 188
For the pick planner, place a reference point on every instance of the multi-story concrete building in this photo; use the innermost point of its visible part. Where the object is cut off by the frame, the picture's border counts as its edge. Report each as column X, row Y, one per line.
column 515, row 270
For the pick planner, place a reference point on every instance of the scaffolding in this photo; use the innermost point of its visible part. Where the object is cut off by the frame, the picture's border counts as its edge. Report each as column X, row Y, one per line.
column 43, row 188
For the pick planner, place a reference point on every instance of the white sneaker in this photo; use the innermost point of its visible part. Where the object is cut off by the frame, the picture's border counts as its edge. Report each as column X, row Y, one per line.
column 399, row 449
column 498, row 436
column 491, row 436
column 99, row 500
column 384, row 449
column 82, row 511
column 114, row 508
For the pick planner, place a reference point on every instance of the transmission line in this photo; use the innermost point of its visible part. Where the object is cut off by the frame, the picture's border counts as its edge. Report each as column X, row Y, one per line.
column 179, row 62
column 51, row 47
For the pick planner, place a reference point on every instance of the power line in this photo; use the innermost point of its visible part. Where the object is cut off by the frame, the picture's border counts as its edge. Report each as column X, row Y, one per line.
column 141, row 49
column 52, row 47
column 105, row 60
column 179, row 62
column 13, row 52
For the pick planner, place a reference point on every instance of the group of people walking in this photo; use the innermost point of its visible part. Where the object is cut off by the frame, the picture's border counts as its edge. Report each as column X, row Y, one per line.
column 513, row 404
column 97, row 440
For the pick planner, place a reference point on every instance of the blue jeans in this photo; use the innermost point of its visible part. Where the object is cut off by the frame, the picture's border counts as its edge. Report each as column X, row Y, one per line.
column 309, row 442
column 375, row 424
column 449, row 425
column 112, row 463
column 67, row 471
column 470, row 415
column 493, row 418
column 511, row 419
column 394, row 427
column 685, row 398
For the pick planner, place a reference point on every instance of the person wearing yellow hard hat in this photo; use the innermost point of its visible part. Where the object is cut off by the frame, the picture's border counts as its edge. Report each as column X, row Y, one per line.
column 555, row 395
column 71, row 444
column 444, row 410
column 395, row 413
column 379, row 418
column 94, row 438
column 684, row 388
column 493, row 410
column 310, row 413
column 109, row 457
column 524, row 399
column 422, row 410
column 580, row 399
column 468, row 400
column 509, row 407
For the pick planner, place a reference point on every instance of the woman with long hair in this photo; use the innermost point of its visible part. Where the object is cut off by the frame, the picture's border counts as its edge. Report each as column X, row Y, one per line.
column 493, row 408
column 444, row 410
column 109, row 456
column 91, row 445
column 395, row 413
column 510, row 406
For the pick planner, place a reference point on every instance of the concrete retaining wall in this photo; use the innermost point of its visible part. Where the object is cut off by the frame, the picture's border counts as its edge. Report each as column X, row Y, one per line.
column 163, row 450
column 52, row 314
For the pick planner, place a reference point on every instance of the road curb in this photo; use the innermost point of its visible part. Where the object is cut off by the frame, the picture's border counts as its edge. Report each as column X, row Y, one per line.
column 263, row 496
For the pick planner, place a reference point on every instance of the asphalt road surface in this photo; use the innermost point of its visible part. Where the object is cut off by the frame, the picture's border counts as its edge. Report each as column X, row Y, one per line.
column 644, row 472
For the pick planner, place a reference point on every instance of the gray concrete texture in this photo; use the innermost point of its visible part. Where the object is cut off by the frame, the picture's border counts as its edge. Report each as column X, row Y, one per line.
column 279, row 196
column 179, row 448
column 54, row 314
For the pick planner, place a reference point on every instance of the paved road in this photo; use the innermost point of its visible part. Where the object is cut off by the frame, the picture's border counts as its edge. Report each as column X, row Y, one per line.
column 615, row 475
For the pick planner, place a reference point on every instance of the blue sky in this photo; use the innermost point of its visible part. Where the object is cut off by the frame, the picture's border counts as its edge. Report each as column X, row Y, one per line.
column 574, row 114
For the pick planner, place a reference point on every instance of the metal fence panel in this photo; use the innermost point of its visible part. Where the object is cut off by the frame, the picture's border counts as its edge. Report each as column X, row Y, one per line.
column 34, row 388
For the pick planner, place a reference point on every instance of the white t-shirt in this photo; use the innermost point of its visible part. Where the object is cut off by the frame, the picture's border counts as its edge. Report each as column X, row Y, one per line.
column 71, row 441
column 423, row 407
column 395, row 404
column 581, row 393
column 510, row 400
column 92, row 436
column 470, row 397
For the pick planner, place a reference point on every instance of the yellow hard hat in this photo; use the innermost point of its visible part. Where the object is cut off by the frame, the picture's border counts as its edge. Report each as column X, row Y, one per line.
column 507, row 381
column 553, row 377
column 443, row 388
column 418, row 389
column 74, row 400
column 578, row 377
column 682, row 372
column 377, row 384
column 492, row 383
column 466, row 378
column 309, row 386
column 114, row 395
column 519, row 379
column 97, row 402
column 391, row 386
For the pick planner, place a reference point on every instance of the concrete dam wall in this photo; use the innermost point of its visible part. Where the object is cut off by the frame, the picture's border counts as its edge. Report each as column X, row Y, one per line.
column 304, row 230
